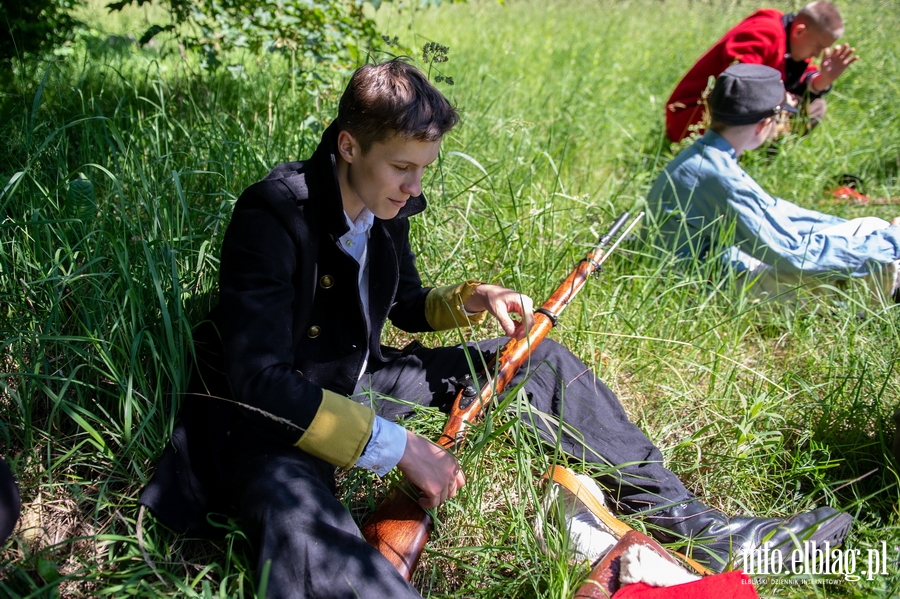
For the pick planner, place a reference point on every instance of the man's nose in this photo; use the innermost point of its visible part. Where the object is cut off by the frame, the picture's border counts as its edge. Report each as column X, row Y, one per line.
column 412, row 184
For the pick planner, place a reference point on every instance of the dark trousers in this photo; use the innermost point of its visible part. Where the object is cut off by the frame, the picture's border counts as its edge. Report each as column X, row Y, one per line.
column 286, row 497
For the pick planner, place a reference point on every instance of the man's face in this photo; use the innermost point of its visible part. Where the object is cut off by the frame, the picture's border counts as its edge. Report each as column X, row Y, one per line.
column 385, row 177
column 808, row 42
column 765, row 130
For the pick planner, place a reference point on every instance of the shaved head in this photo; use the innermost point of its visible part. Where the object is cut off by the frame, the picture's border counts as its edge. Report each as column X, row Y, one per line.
column 822, row 16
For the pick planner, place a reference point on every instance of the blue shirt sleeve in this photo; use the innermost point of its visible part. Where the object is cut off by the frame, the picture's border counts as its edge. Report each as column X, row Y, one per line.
column 704, row 192
column 385, row 447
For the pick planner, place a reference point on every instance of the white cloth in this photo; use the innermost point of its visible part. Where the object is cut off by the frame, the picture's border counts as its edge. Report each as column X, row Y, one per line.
column 589, row 538
column 642, row 564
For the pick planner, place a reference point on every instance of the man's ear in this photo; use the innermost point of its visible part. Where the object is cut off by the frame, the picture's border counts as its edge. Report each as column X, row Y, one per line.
column 347, row 146
column 799, row 30
column 760, row 126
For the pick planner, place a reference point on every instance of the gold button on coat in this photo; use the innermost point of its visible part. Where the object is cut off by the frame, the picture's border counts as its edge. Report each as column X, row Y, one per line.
column 313, row 331
column 326, row 281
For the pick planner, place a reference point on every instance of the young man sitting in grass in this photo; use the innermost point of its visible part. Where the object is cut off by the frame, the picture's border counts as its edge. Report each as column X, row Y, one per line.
column 785, row 42
column 707, row 207
column 292, row 381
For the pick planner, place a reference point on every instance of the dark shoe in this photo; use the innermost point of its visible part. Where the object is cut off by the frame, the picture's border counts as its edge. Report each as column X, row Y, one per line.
column 756, row 545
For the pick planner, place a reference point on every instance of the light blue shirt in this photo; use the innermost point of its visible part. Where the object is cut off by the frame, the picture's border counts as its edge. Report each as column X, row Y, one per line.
column 707, row 206
column 388, row 440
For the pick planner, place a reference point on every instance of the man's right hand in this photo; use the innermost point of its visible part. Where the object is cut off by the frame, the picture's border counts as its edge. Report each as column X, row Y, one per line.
column 432, row 469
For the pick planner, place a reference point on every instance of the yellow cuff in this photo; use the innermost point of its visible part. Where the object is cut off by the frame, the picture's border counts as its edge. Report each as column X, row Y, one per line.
column 339, row 432
column 444, row 306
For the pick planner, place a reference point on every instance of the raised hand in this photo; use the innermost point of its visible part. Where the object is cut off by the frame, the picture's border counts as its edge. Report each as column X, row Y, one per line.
column 834, row 62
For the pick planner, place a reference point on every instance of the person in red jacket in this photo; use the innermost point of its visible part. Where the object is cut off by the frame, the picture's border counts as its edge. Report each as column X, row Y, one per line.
column 785, row 42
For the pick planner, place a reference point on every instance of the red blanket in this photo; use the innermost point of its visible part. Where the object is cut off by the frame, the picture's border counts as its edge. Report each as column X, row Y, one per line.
column 729, row 585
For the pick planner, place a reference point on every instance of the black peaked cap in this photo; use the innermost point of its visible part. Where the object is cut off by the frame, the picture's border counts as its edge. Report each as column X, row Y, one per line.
column 746, row 94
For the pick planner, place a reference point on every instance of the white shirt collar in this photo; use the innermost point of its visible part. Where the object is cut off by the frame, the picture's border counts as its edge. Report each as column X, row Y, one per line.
column 363, row 223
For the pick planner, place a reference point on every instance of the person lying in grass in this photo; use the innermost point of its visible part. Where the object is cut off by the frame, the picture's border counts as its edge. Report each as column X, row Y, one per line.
column 291, row 381
column 707, row 207
column 785, row 42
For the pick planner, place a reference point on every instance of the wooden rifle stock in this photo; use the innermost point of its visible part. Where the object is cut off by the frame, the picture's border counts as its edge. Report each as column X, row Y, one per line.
column 399, row 528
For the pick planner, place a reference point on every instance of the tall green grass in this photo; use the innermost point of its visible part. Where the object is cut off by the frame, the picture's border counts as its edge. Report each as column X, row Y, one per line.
column 119, row 167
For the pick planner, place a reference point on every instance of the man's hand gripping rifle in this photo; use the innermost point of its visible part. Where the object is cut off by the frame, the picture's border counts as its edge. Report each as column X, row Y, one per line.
column 399, row 528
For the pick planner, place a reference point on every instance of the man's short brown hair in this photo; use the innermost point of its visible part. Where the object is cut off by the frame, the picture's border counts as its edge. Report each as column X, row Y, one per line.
column 393, row 98
column 823, row 16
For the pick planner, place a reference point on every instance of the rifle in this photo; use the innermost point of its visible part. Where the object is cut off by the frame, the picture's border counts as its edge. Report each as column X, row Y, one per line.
column 399, row 528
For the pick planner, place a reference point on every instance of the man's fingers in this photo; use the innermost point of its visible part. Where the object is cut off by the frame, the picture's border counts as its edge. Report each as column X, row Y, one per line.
column 847, row 56
column 529, row 320
column 432, row 469
column 458, row 482
column 527, row 312
column 523, row 306
column 515, row 328
column 429, row 502
column 508, row 325
column 435, row 498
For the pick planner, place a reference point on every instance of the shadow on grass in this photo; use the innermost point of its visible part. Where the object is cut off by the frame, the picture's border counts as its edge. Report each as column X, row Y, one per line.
column 860, row 444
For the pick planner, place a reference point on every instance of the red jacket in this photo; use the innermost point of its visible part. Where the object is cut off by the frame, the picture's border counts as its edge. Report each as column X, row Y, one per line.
column 761, row 38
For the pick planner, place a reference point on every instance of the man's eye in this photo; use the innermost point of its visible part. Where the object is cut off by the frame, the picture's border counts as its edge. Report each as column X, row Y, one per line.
column 401, row 167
